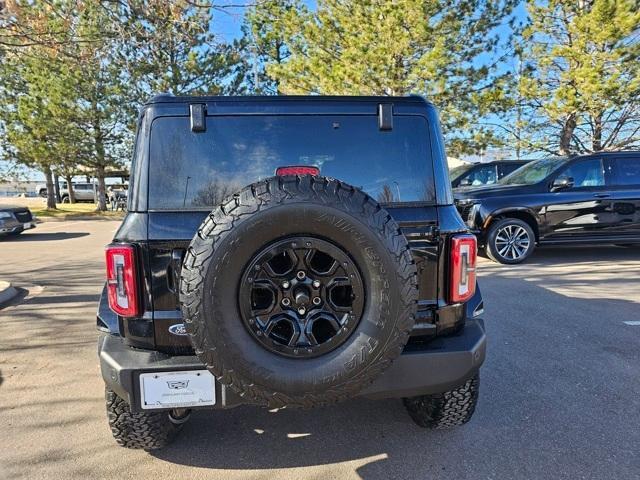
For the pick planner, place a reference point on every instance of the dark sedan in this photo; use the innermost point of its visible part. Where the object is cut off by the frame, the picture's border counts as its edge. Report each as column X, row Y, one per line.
column 15, row 220
column 585, row 199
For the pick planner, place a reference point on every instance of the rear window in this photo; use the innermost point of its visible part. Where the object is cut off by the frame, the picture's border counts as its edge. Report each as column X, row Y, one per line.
column 199, row 169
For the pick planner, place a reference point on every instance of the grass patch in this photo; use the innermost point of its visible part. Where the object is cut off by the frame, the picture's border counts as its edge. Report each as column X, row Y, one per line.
column 68, row 210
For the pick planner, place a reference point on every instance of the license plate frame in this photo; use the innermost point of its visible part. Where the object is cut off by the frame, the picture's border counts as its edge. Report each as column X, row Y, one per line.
column 177, row 389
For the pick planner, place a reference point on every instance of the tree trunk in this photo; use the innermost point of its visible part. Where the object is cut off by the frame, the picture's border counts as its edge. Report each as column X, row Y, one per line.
column 56, row 187
column 100, row 160
column 567, row 134
column 596, row 141
column 102, row 191
column 51, row 194
column 71, row 192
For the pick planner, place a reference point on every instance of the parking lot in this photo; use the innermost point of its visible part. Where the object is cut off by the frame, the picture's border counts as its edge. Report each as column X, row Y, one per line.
column 560, row 395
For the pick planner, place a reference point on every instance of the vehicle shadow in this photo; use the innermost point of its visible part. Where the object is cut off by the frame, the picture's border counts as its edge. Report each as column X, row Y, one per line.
column 253, row 438
column 555, row 362
column 581, row 254
column 41, row 237
column 581, row 272
column 573, row 254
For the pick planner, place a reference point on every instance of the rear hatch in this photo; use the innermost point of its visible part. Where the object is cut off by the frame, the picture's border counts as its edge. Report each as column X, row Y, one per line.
column 192, row 171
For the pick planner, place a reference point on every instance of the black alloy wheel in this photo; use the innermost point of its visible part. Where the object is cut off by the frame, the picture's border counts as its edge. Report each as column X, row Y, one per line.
column 301, row 297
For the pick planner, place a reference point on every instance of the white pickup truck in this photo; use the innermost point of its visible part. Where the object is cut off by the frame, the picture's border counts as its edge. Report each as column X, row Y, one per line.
column 85, row 192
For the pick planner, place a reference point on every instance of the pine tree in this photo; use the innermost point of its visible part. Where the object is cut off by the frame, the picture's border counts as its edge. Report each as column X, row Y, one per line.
column 169, row 47
column 264, row 37
column 436, row 48
column 29, row 91
column 582, row 75
column 62, row 97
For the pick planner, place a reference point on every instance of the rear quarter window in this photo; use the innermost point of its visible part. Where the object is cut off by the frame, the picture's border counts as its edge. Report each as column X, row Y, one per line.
column 626, row 171
column 189, row 170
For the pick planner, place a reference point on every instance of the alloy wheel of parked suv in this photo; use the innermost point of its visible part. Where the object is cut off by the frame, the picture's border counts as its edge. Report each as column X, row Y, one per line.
column 510, row 241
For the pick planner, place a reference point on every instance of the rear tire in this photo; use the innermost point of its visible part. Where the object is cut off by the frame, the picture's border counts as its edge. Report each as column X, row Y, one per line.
column 65, row 199
column 510, row 241
column 445, row 410
column 145, row 430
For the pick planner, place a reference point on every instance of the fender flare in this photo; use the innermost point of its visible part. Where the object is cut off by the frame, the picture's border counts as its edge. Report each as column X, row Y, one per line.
column 501, row 211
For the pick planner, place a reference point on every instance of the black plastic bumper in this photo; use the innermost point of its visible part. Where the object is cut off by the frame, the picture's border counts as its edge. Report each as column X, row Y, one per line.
column 7, row 228
column 441, row 365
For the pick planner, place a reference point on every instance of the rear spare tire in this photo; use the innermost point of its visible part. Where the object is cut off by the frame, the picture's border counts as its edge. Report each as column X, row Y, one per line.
column 298, row 291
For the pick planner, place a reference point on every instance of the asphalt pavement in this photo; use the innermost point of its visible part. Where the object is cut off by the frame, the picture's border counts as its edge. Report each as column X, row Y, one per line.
column 560, row 391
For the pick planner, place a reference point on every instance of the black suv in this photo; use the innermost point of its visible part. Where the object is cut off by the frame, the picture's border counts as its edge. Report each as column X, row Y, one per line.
column 245, row 272
column 477, row 174
column 584, row 199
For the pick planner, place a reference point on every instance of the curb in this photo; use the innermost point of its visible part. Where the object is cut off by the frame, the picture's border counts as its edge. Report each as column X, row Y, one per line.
column 69, row 218
column 7, row 292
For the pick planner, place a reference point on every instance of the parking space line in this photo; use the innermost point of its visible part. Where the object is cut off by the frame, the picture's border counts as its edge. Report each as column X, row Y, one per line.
column 633, row 323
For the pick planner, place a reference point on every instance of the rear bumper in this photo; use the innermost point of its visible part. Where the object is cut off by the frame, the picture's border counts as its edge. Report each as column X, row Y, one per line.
column 440, row 365
column 14, row 226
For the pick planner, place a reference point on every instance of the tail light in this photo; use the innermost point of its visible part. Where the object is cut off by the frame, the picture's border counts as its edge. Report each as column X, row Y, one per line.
column 122, row 280
column 297, row 170
column 463, row 268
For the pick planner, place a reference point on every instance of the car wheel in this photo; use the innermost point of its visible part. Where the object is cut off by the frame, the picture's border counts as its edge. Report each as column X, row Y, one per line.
column 43, row 193
column 298, row 291
column 142, row 430
column 65, row 199
column 510, row 241
column 445, row 410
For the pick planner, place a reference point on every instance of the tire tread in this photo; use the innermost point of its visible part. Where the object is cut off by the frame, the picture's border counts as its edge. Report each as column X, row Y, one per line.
column 142, row 430
column 445, row 410
column 253, row 199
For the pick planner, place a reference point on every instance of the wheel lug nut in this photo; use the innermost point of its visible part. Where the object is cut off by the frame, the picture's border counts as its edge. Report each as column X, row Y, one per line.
column 316, row 284
column 316, row 301
column 285, row 285
column 286, row 302
column 302, row 311
column 301, row 275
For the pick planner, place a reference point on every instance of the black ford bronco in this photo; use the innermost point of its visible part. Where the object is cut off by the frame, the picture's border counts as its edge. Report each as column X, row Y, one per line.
column 288, row 252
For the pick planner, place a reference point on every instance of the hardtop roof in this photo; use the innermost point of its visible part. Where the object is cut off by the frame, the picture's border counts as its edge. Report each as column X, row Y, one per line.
column 168, row 98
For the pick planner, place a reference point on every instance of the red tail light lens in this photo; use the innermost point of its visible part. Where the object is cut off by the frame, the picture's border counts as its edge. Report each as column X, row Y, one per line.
column 463, row 268
column 297, row 170
column 122, row 280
